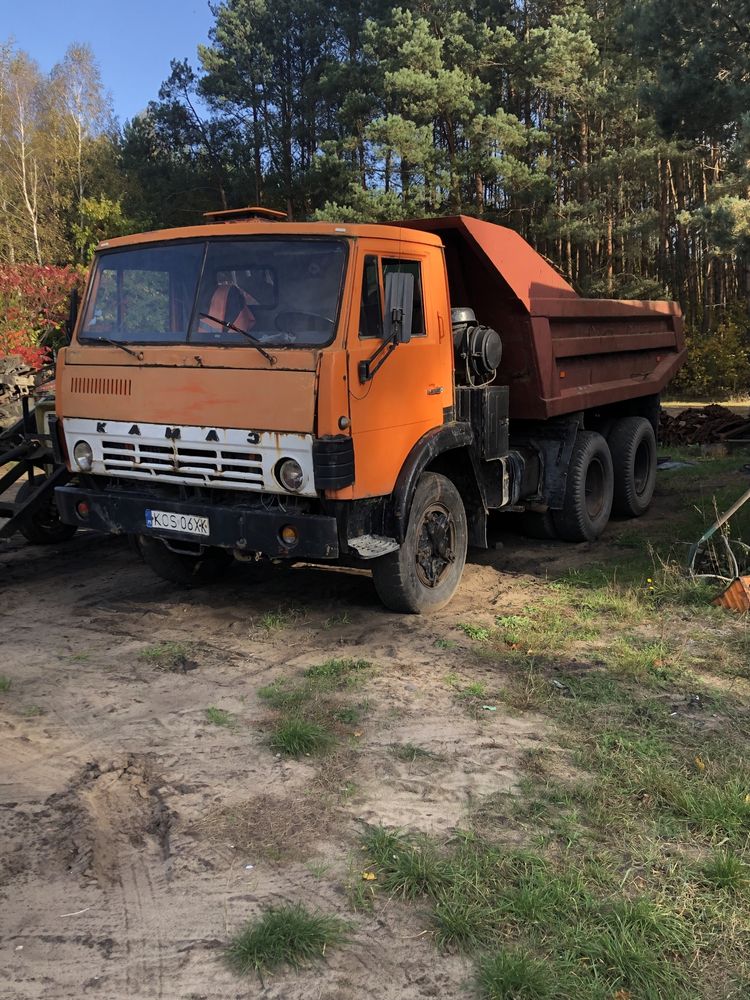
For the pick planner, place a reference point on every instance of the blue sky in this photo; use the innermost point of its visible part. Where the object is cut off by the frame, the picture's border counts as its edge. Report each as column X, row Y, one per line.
column 133, row 40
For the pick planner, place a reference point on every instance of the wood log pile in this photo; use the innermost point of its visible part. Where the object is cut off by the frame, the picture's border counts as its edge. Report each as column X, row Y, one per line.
column 712, row 424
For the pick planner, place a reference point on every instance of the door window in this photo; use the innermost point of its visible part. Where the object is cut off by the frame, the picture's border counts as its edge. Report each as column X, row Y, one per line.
column 371, row 308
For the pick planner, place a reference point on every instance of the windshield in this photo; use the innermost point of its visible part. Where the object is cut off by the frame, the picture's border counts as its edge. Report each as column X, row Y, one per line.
column 230, row 292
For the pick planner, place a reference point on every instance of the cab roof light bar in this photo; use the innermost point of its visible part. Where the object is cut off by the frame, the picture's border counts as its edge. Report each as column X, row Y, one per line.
column 243, row 214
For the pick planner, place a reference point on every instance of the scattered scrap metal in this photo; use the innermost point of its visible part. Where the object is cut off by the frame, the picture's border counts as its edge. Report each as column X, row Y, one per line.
column 17, row 381
column 712, row 424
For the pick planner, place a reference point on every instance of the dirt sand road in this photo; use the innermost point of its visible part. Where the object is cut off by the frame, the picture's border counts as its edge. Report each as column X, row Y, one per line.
column 120, row 875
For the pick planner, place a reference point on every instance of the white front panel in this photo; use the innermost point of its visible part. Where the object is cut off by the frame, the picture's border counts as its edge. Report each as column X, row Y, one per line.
column 238, row 460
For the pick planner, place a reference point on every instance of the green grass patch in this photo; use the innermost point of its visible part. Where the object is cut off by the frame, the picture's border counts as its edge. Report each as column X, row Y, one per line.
column 5, row 683
column 337, row 673
column 466, row 689
column 280, row 618
column 726, row 870
column 219, row 716
column 404, row 867
column 479, row 633
column 526, row 911
column 664, row 780
column 643, row 658
column 316, row 683
column 517, row 975
column 170, row 656
column 284, row 936
column 301, row 737
column 283, row 696
column 471, row 695
column 310, row 709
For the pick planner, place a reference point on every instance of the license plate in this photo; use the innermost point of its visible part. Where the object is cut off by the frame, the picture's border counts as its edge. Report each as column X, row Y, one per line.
column 188, row 524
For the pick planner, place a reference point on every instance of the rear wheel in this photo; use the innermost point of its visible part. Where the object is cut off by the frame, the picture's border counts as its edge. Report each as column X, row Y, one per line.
column 424, row 573
column 632, row 443
column 44, row 526
column 183, row 568
column 588, row 492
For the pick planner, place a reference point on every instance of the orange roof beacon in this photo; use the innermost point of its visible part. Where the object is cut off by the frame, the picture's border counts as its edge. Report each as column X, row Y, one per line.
column 365, row 394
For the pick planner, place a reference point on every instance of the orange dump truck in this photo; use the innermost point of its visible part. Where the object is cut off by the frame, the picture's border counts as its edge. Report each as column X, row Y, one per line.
column 354, row 393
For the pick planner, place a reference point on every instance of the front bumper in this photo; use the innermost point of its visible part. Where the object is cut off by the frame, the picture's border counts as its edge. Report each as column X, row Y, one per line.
column 231, row 527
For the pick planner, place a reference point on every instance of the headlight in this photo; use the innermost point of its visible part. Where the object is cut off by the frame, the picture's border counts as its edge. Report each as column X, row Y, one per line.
column 290, row 474
column 83, row 455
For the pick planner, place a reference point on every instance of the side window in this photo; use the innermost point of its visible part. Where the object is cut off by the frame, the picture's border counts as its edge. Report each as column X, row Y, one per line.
column 371, row 307
column 414, row 268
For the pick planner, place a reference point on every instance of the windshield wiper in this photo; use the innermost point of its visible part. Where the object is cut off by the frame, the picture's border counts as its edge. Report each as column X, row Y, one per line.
column 138, row 355
column 224, row 323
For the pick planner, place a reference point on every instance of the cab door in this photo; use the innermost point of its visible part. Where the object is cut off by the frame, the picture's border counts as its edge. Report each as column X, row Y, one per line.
column 410, row 391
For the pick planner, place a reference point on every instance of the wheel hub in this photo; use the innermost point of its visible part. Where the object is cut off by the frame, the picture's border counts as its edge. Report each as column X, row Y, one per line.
column 436, row 546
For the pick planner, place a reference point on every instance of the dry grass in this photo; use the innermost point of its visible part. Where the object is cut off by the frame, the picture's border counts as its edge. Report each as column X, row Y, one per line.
column 272, row 827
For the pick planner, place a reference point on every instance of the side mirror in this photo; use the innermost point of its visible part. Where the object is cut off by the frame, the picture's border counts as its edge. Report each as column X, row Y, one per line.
column 399, row 306
column 70, row 323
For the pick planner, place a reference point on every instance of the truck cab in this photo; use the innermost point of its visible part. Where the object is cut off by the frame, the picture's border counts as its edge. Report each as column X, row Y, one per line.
column 293, row 390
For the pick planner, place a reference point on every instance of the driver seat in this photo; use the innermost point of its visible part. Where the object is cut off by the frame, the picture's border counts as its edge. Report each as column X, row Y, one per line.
column 231, row 304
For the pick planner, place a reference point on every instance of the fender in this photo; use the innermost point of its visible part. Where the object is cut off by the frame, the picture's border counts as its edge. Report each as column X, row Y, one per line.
column 429, row 446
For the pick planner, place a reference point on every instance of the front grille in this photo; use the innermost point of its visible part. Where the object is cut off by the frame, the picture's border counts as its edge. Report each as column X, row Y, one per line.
column 205, row 466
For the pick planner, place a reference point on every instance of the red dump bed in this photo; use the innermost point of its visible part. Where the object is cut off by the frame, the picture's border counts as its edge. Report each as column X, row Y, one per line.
column 561, row 352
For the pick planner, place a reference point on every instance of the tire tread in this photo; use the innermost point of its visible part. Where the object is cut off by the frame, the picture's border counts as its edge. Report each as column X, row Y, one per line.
column 392, row 573
column 626, row 436
column 573, row 522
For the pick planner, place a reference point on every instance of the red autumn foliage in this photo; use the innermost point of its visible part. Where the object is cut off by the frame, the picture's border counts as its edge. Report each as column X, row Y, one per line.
column 33, row 306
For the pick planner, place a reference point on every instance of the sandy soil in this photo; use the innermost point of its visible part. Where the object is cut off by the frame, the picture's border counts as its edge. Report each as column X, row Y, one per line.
column 120, row 876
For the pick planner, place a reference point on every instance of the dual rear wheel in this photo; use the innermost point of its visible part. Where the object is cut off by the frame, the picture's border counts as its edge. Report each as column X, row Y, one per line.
column 614, row 475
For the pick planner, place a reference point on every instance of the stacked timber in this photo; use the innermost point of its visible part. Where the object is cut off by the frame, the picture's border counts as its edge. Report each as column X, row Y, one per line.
column 712, row 424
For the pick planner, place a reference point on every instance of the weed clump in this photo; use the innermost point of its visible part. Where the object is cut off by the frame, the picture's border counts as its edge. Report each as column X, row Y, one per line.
column 285, row 935
column 219, row 716
column 170, row 656
column 300, row 737
column 516, row 975
column 309, row 708
column 727, row 870
column 337, row 673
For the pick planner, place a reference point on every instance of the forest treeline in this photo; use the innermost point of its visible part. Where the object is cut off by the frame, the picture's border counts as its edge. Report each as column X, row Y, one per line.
column 613, row 134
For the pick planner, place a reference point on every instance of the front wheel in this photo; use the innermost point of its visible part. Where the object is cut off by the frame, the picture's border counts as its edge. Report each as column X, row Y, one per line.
column 424, row 573
column 182, row 568
column 44, row 526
